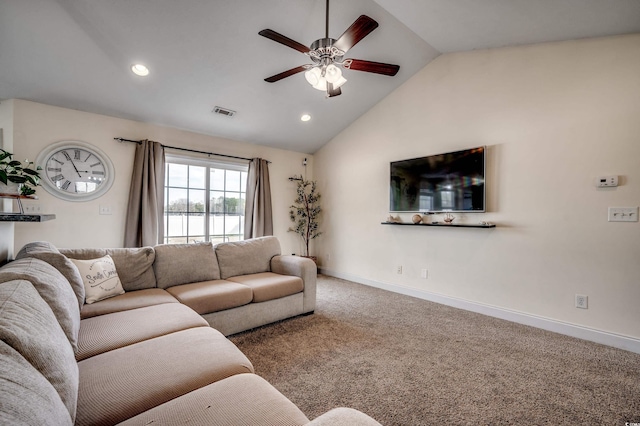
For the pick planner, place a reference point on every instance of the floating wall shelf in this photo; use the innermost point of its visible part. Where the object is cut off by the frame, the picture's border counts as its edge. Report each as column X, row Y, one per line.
column 21, row 217
column 17, row 217
column 445, row 225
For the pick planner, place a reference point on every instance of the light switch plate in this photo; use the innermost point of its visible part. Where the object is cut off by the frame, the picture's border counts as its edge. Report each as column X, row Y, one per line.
column 623, row 214
column 104, row 209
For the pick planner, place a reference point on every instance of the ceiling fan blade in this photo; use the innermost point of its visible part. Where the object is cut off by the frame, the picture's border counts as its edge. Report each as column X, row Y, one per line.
column 370, row 66
column 356, row 32
column 277, row 37
column 286, row 74
column 331, row 92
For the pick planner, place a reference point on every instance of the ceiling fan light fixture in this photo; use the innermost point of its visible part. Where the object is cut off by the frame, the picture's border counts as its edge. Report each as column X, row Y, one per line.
column 339, row 82
column 313, row 76
column 321, row 85
column 333, row 74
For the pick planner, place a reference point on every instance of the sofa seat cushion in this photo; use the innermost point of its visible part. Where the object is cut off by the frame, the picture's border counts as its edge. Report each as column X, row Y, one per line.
column 242, row 400
column 126, row 301
column 26, row 397
column 185, row 263
column 212, row 296
column 111, row 331
column 269, row 286
column 141, row 376
column 343, row 416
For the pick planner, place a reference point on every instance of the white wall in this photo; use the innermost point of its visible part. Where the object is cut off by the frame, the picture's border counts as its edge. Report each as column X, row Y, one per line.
column 78, row 224
column 6, row 143
column 554, row 117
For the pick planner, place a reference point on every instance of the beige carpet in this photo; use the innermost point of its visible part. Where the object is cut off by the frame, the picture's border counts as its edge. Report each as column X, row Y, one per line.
column 406, row 361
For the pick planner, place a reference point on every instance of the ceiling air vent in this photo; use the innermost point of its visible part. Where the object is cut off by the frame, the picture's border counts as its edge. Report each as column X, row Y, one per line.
column 224, row 111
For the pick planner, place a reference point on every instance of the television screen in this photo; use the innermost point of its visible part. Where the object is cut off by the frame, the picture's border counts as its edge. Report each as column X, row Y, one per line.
column 451, row 182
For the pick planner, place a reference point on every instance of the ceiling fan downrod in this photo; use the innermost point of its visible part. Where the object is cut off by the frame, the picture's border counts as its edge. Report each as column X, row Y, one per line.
column 326, row 31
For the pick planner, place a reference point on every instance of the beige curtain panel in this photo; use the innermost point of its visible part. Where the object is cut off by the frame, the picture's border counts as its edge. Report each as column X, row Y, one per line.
column 258, row 219
column 144, row 223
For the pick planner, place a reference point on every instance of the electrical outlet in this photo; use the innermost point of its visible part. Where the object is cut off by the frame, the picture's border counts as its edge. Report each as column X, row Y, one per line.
column 105, row 209
column 399, row 269
column 424, row 274
column 32, row 208
column 582, row 301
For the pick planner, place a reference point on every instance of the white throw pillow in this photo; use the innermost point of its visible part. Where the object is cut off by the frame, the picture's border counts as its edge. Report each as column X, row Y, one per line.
column 100, row 278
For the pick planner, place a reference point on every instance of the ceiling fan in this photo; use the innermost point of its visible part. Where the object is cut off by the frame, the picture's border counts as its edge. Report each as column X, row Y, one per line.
column 327, row 56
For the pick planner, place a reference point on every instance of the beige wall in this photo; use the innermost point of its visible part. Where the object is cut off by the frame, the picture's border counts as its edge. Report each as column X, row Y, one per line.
column 6, row 143
column 78, row 224
column 554, row 117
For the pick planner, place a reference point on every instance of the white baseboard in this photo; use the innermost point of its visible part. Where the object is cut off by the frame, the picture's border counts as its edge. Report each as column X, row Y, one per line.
column 603, row 337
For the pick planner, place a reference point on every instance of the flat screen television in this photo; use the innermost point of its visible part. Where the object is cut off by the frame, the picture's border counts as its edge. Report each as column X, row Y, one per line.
column 451, row 182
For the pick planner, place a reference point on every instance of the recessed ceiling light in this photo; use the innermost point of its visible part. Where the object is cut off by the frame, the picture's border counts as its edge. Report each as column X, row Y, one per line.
column 139, row 69
column 305, row 117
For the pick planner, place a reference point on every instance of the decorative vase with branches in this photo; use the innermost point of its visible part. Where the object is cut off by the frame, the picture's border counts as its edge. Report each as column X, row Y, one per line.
column 305, row 211
column 25, row 175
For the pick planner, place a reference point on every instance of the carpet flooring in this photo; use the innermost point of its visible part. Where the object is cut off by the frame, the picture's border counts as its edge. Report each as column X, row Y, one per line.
column 407, row 361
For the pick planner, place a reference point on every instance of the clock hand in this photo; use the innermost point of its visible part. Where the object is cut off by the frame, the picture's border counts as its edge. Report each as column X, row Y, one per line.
column 74, row 166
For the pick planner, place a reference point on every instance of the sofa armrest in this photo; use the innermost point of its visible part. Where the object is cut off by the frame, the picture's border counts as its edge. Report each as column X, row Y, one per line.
column 343, row 417
column 299, row 267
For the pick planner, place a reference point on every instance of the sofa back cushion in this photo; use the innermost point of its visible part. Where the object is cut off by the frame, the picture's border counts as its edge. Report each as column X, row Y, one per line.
column 185, row 263
column 246, row 257
column 26, row 397
column 47, row 252
column 28, row 325
column 134, row 265
column 53, row 288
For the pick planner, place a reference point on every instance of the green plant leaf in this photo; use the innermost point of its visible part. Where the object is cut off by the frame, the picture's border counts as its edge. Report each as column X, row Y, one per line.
column 31, row 172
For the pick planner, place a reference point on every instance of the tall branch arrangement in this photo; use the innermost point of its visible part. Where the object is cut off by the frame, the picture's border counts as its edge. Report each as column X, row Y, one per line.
column 305, row 211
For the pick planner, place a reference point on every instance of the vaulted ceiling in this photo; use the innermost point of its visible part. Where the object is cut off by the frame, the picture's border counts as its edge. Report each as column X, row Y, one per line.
column 206, row 53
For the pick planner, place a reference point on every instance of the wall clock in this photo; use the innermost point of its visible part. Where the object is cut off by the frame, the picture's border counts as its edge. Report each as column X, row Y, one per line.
column 75, row 171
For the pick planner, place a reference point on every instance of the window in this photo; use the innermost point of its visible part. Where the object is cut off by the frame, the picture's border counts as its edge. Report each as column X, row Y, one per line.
column 204, row 200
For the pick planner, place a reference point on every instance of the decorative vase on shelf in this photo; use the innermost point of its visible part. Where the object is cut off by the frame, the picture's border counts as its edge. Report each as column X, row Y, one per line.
column 416, row 219
column 10, row 188
column 448, row 218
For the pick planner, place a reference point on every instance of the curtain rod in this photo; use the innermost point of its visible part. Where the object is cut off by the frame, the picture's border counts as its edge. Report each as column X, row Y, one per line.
column 191, row 150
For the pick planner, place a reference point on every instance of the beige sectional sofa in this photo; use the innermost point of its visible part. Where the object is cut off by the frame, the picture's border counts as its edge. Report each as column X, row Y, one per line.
column 156, row 354
column 234, row 286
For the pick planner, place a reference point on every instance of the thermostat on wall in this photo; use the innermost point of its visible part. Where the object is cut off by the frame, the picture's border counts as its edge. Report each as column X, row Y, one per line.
column 607, row 181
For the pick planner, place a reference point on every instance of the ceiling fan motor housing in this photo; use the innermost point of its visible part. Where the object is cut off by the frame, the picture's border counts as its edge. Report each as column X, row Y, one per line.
column 323, row 51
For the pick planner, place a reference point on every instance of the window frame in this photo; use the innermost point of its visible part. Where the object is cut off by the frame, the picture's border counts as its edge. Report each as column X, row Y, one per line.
column 208, row 164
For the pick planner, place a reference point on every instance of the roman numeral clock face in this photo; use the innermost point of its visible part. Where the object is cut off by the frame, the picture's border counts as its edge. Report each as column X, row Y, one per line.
column 75, row 171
